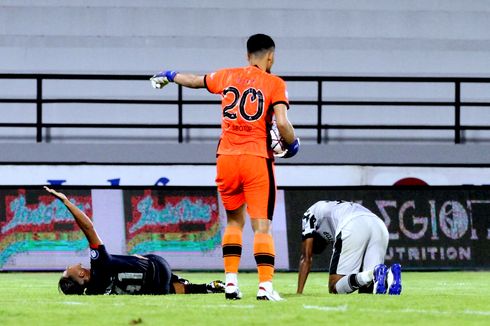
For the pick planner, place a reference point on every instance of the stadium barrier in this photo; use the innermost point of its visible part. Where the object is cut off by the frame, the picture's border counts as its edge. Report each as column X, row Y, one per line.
column 431, row 228
column 319, row 101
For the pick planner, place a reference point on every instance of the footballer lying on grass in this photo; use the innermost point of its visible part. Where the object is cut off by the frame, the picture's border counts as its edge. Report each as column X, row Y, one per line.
column 120, row 274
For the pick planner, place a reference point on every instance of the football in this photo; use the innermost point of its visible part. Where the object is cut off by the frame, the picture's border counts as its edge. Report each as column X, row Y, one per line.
column 277, row 142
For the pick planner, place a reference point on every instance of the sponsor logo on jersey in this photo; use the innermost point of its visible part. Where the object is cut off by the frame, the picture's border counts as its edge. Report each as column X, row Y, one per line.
column 94, row 254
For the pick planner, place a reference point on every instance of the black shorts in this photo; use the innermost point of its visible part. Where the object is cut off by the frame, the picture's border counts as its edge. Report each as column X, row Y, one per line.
column 161, row 277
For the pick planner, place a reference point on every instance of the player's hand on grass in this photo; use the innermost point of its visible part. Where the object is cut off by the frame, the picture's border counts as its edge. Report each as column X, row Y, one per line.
column 55, row 193
column 161, row 79
column 291, row 149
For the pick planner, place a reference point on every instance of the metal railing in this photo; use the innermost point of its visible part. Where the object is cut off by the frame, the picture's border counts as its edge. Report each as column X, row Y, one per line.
column 319, row 103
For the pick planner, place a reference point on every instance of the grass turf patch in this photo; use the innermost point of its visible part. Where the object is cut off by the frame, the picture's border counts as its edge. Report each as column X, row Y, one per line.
column 440, row 298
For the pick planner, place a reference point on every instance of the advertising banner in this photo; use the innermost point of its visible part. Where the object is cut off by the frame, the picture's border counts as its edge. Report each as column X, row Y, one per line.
column 184, row 225
column 204, row 175
column 165, row 175
column 429, row 228
column 37, row 231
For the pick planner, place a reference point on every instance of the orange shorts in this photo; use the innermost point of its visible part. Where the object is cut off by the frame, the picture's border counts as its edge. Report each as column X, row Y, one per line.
column 247, row 179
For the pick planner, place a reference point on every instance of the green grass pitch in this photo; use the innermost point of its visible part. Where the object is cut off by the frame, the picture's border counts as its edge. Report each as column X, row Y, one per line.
column 438, row 298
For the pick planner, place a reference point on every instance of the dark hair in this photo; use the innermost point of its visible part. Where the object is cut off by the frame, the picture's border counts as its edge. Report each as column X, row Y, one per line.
column 259, row 42
column 69, row 286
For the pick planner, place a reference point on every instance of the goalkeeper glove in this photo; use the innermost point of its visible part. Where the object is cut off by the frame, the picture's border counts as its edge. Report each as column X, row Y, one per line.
column 292, row 149
column 215, row 287
column 163, row 78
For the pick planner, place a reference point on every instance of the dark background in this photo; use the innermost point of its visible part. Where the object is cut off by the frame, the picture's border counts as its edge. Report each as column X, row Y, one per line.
column 298, row 200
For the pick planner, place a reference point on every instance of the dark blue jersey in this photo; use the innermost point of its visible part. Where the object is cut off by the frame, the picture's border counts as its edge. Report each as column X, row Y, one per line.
column 119, row 274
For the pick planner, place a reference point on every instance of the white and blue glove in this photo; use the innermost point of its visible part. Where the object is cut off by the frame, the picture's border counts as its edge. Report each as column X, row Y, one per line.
column 292, row 149
column 161, row 79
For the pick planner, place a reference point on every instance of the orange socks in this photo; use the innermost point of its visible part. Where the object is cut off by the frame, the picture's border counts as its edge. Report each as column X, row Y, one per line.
column 264, row 256
column 263, row 251
column 232, row 248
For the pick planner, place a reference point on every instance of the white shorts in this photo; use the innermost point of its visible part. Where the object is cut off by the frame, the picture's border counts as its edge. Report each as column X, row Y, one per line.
column 359, row 245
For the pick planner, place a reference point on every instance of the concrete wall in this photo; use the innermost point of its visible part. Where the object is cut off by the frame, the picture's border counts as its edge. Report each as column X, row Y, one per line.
column 134, row 154
column 313, row 37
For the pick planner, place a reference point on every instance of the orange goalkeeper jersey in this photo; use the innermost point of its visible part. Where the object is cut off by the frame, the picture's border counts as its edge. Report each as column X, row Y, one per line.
column 248, row 96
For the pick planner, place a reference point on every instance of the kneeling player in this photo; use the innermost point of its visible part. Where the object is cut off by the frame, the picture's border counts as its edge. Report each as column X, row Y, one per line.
column 360, row 240
column 120, row 274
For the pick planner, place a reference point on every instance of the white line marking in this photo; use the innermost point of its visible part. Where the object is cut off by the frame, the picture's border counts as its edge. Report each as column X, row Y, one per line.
column 327, row 308
column 430, row 312
column 343, row 308
column 246, row 306
column 476, row 312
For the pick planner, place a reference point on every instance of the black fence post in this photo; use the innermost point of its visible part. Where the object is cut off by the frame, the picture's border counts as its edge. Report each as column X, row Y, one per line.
column 180, row 108
column 319, row 113
column 457, row 112
column 39, row 109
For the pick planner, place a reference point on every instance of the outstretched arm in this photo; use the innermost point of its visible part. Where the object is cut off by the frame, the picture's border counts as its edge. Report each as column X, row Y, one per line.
column 189, row 80
column 170, row 76
column 304, row 263
column 83, row 221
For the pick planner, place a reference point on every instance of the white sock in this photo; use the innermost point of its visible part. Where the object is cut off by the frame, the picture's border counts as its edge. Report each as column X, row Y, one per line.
column 353, row 282
column 231, row 278
column 343, row 286
column 364, row 278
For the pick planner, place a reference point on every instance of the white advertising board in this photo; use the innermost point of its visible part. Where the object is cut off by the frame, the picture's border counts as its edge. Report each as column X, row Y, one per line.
column 204, row 175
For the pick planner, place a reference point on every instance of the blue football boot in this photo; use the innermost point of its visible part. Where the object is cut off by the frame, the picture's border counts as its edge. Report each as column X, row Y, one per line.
column 380, row 272
column 394, row 279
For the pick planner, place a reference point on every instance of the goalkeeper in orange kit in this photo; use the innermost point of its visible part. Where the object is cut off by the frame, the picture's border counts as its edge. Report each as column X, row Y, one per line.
column 251, row 96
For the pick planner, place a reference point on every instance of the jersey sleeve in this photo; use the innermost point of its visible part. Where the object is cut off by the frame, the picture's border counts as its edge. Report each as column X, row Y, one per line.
column 309, row 223
column 99, row 256
column 214, row 81
column 280, row 93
